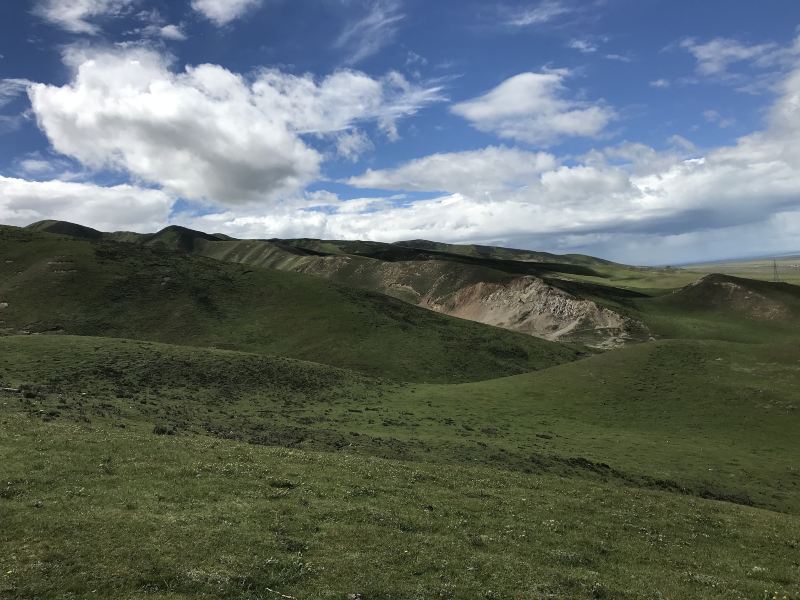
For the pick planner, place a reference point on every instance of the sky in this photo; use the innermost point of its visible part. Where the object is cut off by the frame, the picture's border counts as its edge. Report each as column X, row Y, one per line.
column 643, row 131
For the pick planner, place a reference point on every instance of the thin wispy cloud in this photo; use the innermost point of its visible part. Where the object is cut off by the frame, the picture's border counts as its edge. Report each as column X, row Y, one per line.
column 716, row 56
column 369, row 34
column 716, row 118
column 10, row 123
column 750, row 68
column 591, row 46
column 583, row 46
column 10, row 89
column 540, row 14
column 78, row 16
column 619, row 57
column 155, row 26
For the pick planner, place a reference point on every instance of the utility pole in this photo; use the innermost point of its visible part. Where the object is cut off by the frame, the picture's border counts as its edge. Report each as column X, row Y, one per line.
column 775, row 277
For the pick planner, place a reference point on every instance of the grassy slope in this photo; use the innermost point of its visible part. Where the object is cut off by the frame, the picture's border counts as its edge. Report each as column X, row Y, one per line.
column 645, row 416
column 716, row 418
column 124, row 290
column 487, row 263
column 95, row 512
column 709, row 311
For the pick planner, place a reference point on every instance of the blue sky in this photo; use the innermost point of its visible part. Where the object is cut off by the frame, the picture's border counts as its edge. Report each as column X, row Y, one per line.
column 645, row 131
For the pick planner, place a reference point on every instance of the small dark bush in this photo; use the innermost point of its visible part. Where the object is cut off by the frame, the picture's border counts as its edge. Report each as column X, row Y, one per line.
column 163, row 430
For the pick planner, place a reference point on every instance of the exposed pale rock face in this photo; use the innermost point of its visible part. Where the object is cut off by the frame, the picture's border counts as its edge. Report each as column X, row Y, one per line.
column 530, row 305
column 525, row 304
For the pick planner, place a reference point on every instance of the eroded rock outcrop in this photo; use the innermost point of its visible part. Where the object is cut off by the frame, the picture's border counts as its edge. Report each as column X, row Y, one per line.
column 531, row 305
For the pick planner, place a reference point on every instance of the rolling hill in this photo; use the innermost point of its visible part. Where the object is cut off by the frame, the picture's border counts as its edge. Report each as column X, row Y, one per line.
column 747, row 298
column 537, row 294
column 52, row 283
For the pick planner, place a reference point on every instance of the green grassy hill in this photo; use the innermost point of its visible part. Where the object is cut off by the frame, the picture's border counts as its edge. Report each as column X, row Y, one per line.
column 68, row 229
column 52, row 283
column 187, row 416
column 747, row 298
column 573, row 300
column 721, row 307
column 483, row 262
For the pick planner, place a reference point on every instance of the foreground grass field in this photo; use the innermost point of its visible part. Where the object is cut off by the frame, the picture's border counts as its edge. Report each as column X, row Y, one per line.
column 99, row 512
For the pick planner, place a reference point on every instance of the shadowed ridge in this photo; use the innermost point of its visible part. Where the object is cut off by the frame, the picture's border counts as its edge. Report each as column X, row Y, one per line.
column 501, row 253
column 761, row 300
column 66, row 228
column 501, row 259
column 182, row 238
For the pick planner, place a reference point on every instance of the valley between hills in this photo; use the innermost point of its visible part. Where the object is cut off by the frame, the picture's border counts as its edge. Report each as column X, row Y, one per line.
column 187, row 415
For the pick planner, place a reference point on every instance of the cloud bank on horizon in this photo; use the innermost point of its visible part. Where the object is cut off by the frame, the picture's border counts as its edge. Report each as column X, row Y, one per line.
column 551, row 125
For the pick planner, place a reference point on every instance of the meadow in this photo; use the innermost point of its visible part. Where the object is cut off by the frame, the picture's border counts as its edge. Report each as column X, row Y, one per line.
column 405, row 455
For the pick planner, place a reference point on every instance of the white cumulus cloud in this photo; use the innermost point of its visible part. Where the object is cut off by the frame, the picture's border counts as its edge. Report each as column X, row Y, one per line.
column 206, row 133
column 624, row 195
column 533, row 108
column 106, row 208
column 172, row 32
column 476, row 172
